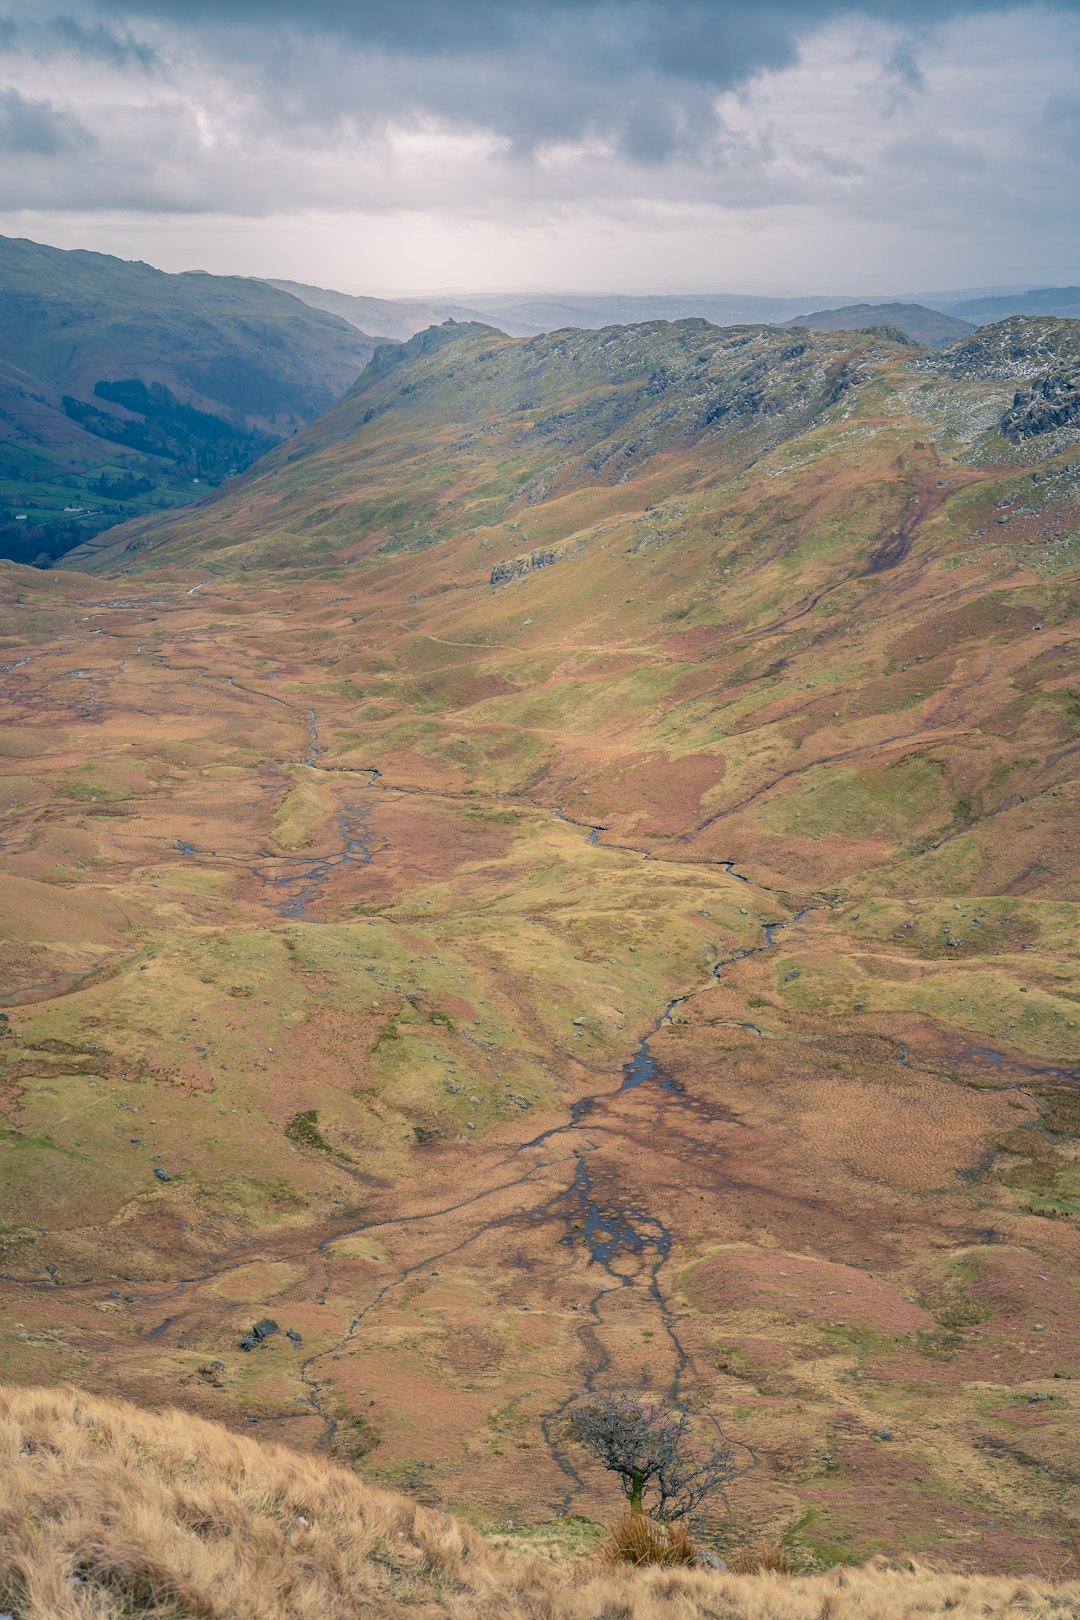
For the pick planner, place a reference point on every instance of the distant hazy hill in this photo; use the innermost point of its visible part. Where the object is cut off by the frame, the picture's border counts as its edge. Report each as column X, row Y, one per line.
column 928, row 326
column 1063, row 301
column 166, row 382
column 399, row 318
column 943, row 319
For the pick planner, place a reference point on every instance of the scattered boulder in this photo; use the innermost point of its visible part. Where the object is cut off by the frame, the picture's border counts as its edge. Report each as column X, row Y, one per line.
column 710, row 1560
column 162, row 1175
column 260, row 1332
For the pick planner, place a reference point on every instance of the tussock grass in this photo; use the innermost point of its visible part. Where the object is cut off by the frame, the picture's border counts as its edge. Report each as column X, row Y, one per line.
column 107, row 1512
column 637, row 1539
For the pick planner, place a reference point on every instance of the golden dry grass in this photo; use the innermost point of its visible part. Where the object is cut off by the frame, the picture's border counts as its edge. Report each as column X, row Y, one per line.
column 109, row 1512
column 637, row 1539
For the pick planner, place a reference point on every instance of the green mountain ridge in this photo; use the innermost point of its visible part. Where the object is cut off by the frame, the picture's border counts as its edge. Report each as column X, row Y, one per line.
column 171, row 381
column 556, row 411
column 550, row 416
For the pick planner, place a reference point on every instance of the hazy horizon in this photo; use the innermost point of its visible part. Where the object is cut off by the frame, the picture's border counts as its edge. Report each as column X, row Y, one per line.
column 465, row 294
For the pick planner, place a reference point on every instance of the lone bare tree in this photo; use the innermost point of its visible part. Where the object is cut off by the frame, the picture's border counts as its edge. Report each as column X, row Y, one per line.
column 649, row 1445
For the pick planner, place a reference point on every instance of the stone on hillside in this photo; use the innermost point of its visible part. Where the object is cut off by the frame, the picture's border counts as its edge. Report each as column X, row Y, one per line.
column 518, row 567
column 710, row 1560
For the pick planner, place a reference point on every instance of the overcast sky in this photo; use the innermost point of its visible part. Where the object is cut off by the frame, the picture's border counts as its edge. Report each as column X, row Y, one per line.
column 623, row 145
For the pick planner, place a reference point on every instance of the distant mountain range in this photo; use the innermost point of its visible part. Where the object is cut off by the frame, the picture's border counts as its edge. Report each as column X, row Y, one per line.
column 528, row 315
column 930, row 319
column 1061, row 301
column 382, row 317
column 124, row 390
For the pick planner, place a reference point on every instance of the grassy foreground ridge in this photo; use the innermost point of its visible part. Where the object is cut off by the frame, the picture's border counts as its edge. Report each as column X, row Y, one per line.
column 107, row 1511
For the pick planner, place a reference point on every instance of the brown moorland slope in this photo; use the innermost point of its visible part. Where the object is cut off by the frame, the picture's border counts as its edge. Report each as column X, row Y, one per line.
column 106, row 1511
column 567, row 871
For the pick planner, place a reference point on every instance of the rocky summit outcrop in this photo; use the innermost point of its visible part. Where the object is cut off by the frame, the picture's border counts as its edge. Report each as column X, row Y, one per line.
column 1051, row 402
column 1017, row 350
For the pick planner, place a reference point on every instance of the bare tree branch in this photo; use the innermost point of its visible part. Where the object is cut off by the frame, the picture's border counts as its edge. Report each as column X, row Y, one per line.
column 647, row 1444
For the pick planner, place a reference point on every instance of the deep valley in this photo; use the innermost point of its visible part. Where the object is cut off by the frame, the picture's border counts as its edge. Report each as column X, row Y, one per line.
column 564, row 873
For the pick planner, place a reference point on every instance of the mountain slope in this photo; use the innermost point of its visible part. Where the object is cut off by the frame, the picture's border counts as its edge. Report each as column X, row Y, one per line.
column 565, row 873
column 180, row 379
column 219, row 343
column 928, row 326
column 542, row 419
column 60, row 482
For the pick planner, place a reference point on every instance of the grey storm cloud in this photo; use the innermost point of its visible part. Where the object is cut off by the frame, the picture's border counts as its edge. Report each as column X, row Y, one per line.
column 98, row 43
column 36, row 127
column 713, row 42
column 641, row 72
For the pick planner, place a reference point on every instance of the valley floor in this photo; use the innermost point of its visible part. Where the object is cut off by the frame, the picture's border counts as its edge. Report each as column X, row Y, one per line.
column 495, row 1066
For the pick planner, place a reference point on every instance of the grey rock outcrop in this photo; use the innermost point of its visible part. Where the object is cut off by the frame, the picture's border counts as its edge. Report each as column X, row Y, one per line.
column 1052, row 401
column 518, row 567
